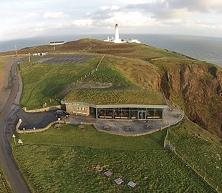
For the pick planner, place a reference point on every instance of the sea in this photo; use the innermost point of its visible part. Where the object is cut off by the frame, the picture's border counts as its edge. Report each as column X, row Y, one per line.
column 203, row 48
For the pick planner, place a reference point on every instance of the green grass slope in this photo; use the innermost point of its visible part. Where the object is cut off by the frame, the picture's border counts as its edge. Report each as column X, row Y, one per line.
column 125, row 87
column 67, row 159
column 4, row 187
column 199, row 149
column 44, row 83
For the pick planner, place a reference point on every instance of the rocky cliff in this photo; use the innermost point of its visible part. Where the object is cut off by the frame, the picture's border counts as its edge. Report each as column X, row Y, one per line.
column 197, row 88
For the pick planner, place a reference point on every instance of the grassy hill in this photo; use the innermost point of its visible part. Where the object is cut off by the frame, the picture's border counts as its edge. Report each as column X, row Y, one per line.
column 70, row 158
column 53, row 78
column 129, row 73
column 193, row 85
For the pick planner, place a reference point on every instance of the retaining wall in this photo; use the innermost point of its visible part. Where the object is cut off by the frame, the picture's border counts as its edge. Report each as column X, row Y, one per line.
column 41, row 129
column 42, row 109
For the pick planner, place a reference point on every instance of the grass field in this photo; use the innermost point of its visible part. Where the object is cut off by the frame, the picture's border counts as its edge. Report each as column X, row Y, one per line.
column 67, row 159
column 45, row 83
column 4, row 188
column 202, row 150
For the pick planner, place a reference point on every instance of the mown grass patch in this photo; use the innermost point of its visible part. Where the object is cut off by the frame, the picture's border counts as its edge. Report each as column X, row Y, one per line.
column 64, row 160
column 88, row 136
column 43, row 83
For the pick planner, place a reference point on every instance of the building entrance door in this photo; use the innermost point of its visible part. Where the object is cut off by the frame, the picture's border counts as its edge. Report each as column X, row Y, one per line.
column 141, row 115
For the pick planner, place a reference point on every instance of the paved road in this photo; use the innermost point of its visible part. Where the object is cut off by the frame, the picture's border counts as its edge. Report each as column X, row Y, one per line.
column 7, row 120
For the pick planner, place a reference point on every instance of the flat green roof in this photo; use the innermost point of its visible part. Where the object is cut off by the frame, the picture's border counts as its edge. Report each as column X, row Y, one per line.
column 132, row 106
column 116, row 97
column 118, row 105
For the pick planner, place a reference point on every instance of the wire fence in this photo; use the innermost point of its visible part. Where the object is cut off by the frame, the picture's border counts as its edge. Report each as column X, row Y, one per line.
column 168, row 145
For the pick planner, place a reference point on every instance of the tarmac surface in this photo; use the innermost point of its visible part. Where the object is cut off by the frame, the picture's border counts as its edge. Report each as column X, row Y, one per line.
column 8, row 120
column 35, row 120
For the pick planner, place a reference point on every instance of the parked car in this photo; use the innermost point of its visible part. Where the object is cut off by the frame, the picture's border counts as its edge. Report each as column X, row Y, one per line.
column 61, row 114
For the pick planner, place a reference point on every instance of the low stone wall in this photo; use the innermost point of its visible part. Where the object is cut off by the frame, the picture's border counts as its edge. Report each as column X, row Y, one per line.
column 42, row 109
column 182, row 115
column 40, row 129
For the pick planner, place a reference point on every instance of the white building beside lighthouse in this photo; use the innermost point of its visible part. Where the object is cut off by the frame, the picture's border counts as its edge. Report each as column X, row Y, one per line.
column 116, row 39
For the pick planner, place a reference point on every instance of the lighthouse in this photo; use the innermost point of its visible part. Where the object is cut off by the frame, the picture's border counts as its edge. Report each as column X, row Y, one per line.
column 117, row 39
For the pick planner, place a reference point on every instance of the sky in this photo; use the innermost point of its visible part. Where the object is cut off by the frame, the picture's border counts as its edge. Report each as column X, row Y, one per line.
column 32, row 18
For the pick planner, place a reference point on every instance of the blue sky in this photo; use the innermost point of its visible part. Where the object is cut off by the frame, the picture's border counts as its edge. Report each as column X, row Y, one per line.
column 31, row 18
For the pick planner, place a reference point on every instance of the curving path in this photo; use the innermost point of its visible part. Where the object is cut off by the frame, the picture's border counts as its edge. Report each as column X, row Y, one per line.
column 7, row 121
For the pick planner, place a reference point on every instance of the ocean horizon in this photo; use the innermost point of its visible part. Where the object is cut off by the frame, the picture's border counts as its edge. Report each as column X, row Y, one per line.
column 207, row 49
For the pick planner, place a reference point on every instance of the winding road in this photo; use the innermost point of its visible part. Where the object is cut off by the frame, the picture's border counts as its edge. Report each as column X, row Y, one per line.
column 7, row 121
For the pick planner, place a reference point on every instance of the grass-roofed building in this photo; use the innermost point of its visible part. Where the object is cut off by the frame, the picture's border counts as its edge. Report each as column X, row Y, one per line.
column 119, row 111
column 112, row 92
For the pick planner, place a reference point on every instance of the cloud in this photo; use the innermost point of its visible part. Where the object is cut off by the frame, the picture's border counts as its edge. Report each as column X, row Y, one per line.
column 99, row 16
column 82, row 22
column 178, row 16
column 197, row 5
column 54, row 15
column 107, row 16
column 173, row 8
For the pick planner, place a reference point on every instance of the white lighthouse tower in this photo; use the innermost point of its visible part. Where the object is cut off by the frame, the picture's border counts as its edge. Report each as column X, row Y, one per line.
column 117, row 39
